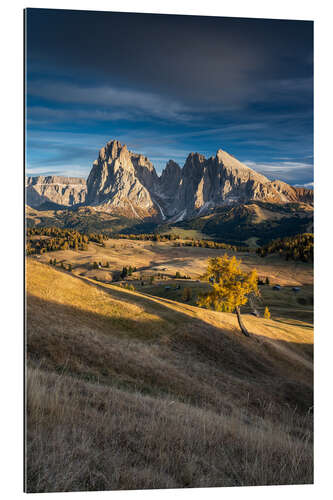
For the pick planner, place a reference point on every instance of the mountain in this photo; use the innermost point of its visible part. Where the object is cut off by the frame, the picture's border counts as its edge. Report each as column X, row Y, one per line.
column 56, row 190
column 123, row 182
column 126, row 183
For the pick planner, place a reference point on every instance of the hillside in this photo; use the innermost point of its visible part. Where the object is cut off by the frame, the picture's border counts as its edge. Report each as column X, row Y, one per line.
column 126, row 390
column 254, row 222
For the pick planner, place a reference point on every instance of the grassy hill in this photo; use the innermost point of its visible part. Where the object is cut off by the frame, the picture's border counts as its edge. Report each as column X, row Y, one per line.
column 131, row 391
column 253, row 223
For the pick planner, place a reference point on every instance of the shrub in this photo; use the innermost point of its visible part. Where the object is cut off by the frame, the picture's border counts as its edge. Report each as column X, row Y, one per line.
column 267, row 314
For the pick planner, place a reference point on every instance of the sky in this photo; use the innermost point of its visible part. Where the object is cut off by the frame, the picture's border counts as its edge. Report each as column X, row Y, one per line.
column 166, row 86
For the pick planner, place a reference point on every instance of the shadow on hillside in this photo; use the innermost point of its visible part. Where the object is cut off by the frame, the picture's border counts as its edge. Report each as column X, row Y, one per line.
column 179, row 261
column 272, row 369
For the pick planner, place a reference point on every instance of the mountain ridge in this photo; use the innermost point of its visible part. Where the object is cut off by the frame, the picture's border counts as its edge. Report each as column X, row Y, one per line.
column 126, row 183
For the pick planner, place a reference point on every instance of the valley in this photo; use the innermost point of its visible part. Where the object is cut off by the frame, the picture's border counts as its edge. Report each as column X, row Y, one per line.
column 132, row 385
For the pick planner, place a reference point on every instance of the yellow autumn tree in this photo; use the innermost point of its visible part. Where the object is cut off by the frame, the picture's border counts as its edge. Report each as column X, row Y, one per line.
column 267, row 314
column 230, row 287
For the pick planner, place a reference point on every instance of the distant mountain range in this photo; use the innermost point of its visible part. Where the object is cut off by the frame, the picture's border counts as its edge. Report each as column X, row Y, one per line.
column 125, row 183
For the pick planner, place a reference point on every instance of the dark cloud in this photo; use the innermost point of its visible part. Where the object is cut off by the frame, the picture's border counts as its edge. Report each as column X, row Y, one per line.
column 214, row 60
column 167, row 85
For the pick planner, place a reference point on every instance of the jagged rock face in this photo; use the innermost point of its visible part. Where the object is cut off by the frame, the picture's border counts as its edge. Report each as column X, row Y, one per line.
column 304, row 195
column 123, row 182
column 126, row 183
column 205, row 184
column 63, row 191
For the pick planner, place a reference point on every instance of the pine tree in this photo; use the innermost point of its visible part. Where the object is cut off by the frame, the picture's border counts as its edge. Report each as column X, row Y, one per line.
column 230, row 287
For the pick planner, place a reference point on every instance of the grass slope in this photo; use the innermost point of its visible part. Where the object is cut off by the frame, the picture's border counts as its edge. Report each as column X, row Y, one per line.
column 130, row 391
column 254, row 223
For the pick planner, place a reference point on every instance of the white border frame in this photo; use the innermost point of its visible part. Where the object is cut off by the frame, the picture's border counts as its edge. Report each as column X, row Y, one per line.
column 12, row 230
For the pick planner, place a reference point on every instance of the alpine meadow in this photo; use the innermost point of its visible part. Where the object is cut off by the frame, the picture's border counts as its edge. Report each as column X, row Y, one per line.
column 168, row 251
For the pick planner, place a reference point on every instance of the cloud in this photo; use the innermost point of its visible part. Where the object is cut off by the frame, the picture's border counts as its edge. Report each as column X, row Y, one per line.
column 117, row 103
column 309, row 185
column 39, row 115
column 289, row 171
column 66, row 170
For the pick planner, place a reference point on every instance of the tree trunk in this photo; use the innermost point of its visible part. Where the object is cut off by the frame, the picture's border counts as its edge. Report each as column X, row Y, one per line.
column 254, row 310
column 241, row 324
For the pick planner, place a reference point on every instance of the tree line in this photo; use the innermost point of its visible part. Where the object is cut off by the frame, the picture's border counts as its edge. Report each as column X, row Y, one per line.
column 299, row 247
column 144, row 236
column 59, row 239
column 179, row 241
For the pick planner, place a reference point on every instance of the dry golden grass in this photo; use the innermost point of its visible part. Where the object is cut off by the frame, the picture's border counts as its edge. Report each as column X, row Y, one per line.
column 129, row 391
column 149, row 256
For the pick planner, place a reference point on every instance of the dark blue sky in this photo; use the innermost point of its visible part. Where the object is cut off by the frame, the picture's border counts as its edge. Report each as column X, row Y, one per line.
column 166, row 86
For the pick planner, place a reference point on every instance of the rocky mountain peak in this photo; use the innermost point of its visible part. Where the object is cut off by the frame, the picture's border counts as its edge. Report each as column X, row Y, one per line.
column 194, row 158
column 171, row 168
column 125, row 182
column 55, row 189
column 237, row 168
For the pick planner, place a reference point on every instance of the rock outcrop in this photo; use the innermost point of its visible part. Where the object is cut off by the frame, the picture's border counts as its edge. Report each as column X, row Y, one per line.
column 126, row 183
column 62, row 191
column 123, row 182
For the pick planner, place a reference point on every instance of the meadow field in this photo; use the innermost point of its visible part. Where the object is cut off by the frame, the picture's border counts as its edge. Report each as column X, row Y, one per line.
column 140, row 388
